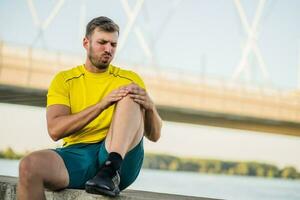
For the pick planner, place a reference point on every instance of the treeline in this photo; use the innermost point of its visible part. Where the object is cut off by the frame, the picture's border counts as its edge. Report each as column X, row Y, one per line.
column 167, row 162
column 10, row 154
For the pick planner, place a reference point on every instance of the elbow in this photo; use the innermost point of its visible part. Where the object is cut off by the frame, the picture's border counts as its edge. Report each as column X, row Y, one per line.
column 53, row 134
column 54, row 138
column 154, row 137
column 155, row 134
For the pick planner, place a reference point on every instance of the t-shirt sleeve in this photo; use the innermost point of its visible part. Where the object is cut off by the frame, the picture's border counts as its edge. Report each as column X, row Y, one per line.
column 138, row 80
column 58, row 92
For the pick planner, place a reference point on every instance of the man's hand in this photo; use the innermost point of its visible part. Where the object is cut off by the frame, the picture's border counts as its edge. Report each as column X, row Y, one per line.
column 140, row 96
column 61, row 123
column 113, row 97
column 152, row 119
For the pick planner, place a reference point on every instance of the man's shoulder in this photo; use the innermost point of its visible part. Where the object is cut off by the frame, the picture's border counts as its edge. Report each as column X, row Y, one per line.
column 71, row 73
column 127, row 74
column 130, row 74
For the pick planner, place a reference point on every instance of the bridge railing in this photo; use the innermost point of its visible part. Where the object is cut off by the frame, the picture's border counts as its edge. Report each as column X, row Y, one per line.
column 34, row 68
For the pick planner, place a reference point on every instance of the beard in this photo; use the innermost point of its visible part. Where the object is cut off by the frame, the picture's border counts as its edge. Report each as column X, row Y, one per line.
column 97, row 61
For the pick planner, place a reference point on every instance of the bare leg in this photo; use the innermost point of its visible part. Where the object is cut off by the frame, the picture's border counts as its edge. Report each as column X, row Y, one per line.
column 127, row 127
column 125, row 132
column 41, row 169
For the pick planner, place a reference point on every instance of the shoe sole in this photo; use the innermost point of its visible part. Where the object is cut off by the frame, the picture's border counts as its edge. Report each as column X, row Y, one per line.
column 97, row 190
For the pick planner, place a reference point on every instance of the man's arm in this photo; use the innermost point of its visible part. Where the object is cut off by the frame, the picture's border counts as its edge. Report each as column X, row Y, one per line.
column 61, row 123
column 153, row 122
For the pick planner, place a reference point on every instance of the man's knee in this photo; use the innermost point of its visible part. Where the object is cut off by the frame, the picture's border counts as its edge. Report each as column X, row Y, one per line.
column 27, row 167
column 127, row 100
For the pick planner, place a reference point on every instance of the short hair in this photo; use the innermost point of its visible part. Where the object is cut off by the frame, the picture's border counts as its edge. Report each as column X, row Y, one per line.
column 103, row 23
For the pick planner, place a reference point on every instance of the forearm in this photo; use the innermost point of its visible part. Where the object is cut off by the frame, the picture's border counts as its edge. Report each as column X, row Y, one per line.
column 63, row 126
column 153, row 124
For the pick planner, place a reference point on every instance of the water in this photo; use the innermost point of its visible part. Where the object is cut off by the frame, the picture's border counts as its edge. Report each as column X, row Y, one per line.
column 204, row 185
column 9, row 167
column 218, row 186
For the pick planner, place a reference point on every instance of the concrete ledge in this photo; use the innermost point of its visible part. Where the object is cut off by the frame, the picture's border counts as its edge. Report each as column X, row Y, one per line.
column 8, row 192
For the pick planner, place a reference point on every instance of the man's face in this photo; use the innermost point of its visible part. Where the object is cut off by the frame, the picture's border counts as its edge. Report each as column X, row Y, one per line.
column 101, row 47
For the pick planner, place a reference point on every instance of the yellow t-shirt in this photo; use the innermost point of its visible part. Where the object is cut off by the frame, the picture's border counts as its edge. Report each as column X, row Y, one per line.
column 79, row 89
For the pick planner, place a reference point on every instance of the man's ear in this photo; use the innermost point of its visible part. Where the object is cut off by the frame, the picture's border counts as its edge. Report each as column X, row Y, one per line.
column 85, row 43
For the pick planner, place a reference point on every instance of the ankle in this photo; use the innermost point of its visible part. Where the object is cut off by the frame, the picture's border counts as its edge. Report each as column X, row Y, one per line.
column 115, row 160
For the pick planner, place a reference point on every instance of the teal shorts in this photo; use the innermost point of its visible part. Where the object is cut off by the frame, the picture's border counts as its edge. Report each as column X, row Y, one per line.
column 83, row 161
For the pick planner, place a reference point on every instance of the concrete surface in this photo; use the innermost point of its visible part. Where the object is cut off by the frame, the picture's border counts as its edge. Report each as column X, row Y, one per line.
column 8, row 192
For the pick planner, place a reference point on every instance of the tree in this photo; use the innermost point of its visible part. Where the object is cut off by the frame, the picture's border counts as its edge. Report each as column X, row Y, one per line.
column 289, row 172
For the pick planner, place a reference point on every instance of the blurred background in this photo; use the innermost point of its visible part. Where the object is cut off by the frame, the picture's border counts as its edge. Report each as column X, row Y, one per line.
column 224, row 74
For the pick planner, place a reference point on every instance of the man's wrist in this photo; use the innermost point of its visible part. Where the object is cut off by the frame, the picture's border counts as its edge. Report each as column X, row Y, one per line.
column 99, row 107
column 151, row 108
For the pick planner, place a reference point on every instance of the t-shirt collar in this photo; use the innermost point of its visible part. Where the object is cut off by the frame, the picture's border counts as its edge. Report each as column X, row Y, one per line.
column 96, row 75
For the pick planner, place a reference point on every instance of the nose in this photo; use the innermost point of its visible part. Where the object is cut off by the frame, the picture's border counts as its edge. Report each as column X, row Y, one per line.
column 108, row 48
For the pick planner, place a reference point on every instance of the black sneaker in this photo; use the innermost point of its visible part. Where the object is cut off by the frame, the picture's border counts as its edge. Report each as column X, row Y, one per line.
column 106, row 182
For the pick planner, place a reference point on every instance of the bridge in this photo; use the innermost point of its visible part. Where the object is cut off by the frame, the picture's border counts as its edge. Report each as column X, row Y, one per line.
column 25, row 74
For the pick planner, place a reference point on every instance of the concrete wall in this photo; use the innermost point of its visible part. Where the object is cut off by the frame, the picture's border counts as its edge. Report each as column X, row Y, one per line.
column 8, row 192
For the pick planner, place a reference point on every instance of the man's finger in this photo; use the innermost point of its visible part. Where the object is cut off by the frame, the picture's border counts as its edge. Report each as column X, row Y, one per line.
column 117, row 98
column 141, row 102
column 138, row 97
column 137, row 90
column 122, row 93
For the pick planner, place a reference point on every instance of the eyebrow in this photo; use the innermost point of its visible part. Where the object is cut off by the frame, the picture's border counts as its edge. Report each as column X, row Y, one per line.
column 103, row 40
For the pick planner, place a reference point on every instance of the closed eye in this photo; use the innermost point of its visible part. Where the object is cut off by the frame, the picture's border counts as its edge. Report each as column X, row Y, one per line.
column 102, row 42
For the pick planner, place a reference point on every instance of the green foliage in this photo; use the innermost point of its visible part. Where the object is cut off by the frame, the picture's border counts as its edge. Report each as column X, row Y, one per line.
column 10, row 154
column 289, row 172
column 167, row 162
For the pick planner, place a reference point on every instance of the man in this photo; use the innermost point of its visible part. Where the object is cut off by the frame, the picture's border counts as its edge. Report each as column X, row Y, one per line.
column 102, row 113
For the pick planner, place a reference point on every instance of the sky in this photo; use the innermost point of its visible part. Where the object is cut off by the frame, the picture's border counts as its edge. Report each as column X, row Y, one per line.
column 203, row 37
